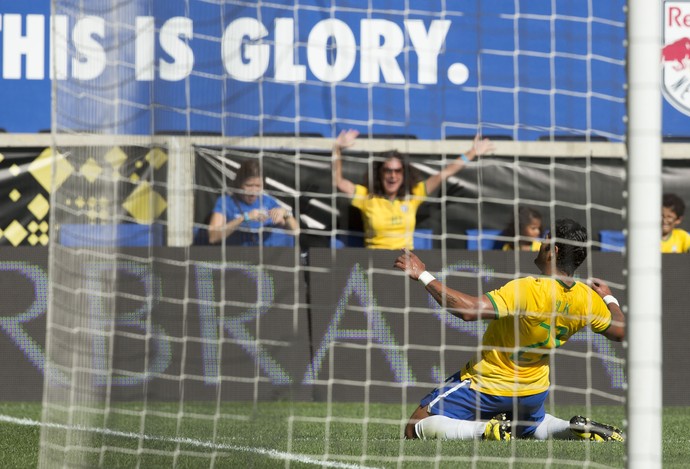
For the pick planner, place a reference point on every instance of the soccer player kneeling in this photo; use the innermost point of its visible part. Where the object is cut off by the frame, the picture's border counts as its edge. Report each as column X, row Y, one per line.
column 509, row 381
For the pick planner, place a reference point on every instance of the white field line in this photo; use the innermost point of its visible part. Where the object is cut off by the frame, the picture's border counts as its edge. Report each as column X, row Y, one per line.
column 271, row 453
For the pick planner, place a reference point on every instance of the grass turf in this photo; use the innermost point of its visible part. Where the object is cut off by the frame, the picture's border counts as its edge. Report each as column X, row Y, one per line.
column 304, row 435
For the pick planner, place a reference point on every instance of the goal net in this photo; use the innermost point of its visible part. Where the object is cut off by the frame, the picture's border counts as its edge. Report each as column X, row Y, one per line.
column 171, row 345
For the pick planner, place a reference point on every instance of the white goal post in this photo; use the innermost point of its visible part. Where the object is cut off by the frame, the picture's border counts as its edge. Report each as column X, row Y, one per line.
column 644, row 259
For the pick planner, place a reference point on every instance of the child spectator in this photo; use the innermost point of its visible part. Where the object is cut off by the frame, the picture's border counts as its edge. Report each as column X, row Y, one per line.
column 673, row 239
column 530, row 229
column 248, row 216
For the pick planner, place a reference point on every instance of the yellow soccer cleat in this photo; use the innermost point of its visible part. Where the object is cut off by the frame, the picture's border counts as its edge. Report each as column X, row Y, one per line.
column 587, row 429
column 498, row 428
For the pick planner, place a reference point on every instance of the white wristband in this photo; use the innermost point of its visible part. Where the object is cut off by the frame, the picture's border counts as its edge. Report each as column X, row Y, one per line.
column 608, row 299
column 426, row 278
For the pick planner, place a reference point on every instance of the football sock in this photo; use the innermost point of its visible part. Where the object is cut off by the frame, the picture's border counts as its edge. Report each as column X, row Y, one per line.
column 553, row 427
column 446, row 428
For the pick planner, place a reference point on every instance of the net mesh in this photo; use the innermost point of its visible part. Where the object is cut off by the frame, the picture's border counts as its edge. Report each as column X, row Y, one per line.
column 165, row 350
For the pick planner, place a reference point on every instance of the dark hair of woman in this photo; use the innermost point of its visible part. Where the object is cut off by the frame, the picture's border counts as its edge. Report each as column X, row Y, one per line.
column 411, row 176
column 248, row 169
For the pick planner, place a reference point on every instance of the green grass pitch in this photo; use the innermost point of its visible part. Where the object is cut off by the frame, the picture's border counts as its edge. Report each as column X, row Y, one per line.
column 300, row 435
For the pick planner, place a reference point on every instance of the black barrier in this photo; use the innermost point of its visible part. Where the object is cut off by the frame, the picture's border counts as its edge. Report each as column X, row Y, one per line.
column 185, row 323
column 346, row 326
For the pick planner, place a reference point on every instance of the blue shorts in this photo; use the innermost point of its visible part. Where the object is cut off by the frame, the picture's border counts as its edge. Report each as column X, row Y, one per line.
column 456, row 400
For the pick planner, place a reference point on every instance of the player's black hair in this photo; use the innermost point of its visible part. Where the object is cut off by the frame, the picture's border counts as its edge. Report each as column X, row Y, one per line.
column 411, row 176
column 570, row 255
column 675, row 203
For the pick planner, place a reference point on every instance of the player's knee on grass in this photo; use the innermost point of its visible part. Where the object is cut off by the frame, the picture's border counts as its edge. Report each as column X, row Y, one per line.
column 419, row 414
column 410, row 433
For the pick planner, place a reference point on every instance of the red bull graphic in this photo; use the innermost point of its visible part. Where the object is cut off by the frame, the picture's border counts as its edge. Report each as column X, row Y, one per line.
column 675, row 55
column 677, row 52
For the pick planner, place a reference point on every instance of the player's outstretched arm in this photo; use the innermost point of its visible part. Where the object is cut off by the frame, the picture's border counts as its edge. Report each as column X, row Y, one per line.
column 466, row 307
column 616, row 331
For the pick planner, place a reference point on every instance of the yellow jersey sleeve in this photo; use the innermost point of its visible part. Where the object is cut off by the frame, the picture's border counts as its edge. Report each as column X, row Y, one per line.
column 360, row 196
column 419, row 190
column 601, row 316
column 511, row 298
column 536, row 245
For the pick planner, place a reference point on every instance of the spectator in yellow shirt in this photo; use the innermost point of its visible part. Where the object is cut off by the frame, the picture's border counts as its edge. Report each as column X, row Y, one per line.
column 389, row 202
column 673, row 239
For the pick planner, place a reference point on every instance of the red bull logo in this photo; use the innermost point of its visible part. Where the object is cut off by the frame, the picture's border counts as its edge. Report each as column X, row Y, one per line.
column 675, row 55
column 677, row 52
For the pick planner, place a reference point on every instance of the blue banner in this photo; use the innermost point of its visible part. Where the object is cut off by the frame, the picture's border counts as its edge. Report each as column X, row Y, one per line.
column 238, row 68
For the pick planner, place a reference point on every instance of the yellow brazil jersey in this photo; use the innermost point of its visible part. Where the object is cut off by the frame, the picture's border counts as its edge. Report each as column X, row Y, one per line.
column 678, row 241
column 542, row 314
column 389, row 224
column 536, row 245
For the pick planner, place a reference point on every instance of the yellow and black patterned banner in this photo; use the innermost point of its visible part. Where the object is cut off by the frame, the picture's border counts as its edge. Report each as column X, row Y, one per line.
column 27, row 181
